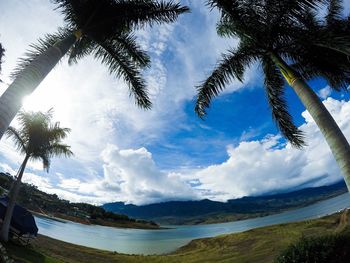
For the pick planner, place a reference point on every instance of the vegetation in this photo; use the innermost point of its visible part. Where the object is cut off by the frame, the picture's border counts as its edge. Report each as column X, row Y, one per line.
column 207, row 211
column 261, row 245
column 102, row 28
column 38, row 139
column 50, row 205
column 323, row 249
column 275, row 33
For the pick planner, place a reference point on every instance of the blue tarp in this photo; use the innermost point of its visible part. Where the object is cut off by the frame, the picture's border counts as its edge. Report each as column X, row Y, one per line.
column 22, row 220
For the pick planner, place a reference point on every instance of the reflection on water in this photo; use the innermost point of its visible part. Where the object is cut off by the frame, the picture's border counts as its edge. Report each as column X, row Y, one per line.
column 136, row 241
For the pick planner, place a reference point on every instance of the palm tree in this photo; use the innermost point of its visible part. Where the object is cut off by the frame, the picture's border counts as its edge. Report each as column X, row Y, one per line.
column 280, row 36
column 103, row 28
column 38, row 139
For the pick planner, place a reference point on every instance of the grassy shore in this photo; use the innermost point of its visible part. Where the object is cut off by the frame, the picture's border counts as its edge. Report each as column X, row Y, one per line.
column 258, row 245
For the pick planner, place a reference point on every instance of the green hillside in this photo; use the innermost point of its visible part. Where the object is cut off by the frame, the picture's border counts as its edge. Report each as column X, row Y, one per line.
column 50, row 205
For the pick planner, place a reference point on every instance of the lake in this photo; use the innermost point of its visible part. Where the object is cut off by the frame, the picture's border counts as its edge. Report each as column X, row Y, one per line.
column 136, row 241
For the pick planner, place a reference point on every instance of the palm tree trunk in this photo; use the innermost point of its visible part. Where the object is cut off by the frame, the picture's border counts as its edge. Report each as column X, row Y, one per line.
column 30, row 78
column 329, row 128
column 4, row 233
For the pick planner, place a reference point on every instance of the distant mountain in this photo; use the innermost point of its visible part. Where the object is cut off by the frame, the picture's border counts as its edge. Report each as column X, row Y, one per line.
column 207, row 211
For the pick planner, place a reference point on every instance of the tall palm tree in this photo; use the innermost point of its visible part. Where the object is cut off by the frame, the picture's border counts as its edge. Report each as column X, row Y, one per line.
column 37, row 139
column 280, row 36
column 103, row 28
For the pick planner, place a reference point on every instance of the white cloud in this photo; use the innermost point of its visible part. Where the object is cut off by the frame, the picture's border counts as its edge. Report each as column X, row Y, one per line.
column 252, row 168
column 134, row 177
column 7, row 169
column 128, row 175
column 325, row 92
column 41, row 182
column 70, row 184
column 258, row 167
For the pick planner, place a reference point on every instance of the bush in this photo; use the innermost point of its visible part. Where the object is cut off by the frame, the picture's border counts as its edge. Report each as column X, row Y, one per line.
column 323, row 249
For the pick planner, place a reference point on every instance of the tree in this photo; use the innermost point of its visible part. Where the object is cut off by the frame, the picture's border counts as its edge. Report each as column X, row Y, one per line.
column 38, row 139
column 281, row 36
column 102, row 28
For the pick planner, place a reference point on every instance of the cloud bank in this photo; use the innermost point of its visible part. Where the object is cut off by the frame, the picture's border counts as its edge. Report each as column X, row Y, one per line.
column 252, row 168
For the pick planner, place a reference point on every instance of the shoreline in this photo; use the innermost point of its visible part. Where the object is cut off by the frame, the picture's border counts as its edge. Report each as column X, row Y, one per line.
column 257, row 245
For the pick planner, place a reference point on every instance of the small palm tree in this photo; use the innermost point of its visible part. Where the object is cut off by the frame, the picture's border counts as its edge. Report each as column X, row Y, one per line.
column 281, row 36
column 103, row 28
column 38, row 139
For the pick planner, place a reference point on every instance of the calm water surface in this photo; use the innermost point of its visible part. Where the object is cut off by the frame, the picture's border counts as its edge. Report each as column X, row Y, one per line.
column 135, row 241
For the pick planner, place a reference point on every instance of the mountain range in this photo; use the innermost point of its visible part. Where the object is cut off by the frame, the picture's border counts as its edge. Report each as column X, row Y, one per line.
column 208, row 211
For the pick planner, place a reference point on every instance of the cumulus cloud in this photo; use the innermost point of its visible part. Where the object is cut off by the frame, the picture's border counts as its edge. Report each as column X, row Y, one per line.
column 129, row 175
column 252, row 168
column 134, row 177
column 270, row 165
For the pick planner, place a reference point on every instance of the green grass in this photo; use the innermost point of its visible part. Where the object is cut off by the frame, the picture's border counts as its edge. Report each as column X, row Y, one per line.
column 28, row 254
column 258, row 245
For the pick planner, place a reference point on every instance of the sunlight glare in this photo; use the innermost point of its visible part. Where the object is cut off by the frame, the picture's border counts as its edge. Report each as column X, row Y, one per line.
column 45, row 98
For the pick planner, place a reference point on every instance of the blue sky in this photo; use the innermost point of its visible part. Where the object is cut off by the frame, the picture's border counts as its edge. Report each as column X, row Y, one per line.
column 123, row 153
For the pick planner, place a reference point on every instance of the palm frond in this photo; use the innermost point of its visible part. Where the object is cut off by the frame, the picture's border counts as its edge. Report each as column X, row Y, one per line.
column 334, row 12
column 128, row 43
column 70, row 9
column 37, row 49
column 142, row 13
column 333, row 66
column 57, row 133
column 103, row 18
column 16, row 136
column 337, row 40
column 82, row 48
column 58, row 149
column 122, row 66
column 230, row 67
column 225, row 27
column 238, row 15
column 45, row 160
column 274, row 84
